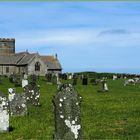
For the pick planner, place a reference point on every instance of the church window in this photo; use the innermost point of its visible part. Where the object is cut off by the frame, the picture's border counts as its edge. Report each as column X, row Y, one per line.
column 7, row 69
column 37, row 66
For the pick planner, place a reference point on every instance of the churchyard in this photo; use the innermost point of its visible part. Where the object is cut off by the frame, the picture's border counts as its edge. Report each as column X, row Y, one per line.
column 104, row 114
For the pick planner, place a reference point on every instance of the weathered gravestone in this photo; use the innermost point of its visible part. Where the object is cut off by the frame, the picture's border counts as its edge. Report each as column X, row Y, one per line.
column 85, row 81
column 24, row 83
column 54, row 79
column 12, row 78
column 75, row 80
column 32, row 93
column 104, row 86
column 94, row 81
column 4, row 114
column 64, row 76
column 17, row 103
column 49, row 77
column 25, row 76
column 67, row 114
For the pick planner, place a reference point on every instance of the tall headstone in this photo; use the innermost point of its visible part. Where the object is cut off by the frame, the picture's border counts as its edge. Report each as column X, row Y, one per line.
column 17, row 103
column 4, row 114
column 67, row 114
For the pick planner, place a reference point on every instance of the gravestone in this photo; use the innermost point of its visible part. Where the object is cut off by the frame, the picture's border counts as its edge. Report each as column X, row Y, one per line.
column 70, row 77
column 33, row 80
column 94, row 81
column 17, row 103
column 49, row 77
column 64, row 76
column 12, row 78
column 25, row 76
column 75, row 80
column 32, row 94
column 54, row 79
column 24, row 83
column 85, row 81
column 104, row 86
column 114, row 77
column 4, row 114
column 67, row 114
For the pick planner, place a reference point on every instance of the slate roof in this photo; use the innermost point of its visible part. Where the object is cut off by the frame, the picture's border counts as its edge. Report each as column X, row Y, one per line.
column 51, row 62
column 24, row 58
column 16, row 59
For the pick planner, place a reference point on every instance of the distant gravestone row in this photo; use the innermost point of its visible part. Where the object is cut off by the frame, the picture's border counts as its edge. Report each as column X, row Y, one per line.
column 53, row 78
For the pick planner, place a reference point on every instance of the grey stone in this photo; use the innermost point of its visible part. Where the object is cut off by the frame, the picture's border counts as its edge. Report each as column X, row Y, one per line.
column 4, row 114
column 32, row 93
column 24, row 83
column 67, row 114
column 104, row 85
column 17, row 103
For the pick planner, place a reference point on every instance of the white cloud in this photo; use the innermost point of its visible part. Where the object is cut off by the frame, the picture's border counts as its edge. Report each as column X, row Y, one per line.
column 78, row 38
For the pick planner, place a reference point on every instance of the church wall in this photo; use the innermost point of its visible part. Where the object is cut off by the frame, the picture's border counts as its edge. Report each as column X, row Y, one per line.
column 31, row 67
column 7, row 69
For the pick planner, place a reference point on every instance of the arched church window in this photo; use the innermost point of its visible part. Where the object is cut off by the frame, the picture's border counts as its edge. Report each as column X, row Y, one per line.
column 37, row 66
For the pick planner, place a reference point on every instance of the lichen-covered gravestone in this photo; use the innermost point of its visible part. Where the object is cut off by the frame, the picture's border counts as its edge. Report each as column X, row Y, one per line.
column 4, row 114
column 32, row 94
column 17, row 103
column 67, row 114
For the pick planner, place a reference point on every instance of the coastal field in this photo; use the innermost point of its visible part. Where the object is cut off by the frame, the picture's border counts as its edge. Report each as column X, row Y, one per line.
column 113, row 115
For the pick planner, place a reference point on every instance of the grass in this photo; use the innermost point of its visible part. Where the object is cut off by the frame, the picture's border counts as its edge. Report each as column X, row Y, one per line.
column 111, row 115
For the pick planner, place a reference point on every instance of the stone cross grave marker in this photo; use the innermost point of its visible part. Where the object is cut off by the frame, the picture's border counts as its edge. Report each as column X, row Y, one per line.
column 17, row 103
column 67, row 114
column 4, row 114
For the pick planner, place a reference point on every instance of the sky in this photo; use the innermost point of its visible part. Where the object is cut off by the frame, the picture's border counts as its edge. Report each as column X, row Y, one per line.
column 87, row 36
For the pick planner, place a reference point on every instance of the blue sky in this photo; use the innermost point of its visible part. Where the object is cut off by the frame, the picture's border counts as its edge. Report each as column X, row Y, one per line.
column 87, row 36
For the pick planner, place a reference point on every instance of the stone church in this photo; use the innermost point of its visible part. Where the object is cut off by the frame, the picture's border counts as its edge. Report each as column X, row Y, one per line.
column 25, row 62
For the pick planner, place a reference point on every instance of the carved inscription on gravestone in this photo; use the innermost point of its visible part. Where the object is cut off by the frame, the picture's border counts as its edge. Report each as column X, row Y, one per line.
column 67, row 114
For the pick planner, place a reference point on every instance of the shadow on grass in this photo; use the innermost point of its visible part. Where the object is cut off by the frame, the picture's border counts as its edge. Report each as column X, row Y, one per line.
column 11, row 129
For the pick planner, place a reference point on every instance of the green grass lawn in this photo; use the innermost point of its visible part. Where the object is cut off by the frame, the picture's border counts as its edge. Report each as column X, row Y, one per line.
column 111, row 115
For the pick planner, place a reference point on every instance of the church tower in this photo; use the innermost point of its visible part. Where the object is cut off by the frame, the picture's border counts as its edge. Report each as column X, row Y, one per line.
column 7, row 46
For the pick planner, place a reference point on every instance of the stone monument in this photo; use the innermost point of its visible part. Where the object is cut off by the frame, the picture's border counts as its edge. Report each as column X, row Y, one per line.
column 67, row 114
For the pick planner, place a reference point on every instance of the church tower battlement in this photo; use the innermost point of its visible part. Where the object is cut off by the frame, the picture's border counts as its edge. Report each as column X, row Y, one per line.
column 7, row 46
